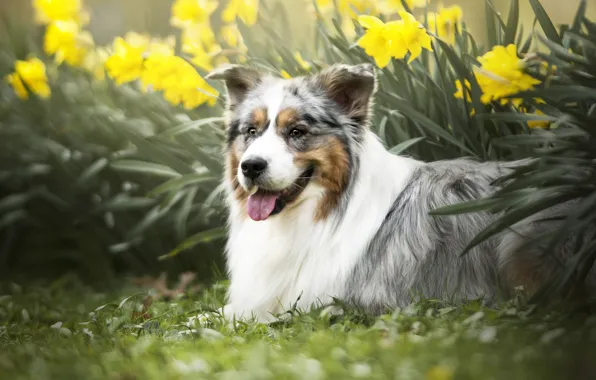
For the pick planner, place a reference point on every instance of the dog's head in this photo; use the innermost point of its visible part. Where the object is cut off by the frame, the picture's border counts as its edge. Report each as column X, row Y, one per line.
column 284, row 135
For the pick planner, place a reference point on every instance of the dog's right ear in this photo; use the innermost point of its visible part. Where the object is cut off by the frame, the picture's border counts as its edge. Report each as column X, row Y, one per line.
column 238, row 79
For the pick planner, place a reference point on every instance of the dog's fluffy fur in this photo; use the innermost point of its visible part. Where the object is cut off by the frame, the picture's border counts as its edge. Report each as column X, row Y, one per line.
column 357, row 227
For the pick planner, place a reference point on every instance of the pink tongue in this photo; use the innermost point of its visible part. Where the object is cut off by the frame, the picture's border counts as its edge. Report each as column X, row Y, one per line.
column 260, row 206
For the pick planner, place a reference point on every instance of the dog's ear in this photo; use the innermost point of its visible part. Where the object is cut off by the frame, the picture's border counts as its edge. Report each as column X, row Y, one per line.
column 351, row 87
column 238, row 79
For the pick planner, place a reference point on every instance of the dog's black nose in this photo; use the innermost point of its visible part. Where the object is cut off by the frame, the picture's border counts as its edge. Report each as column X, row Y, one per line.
column 253, row 167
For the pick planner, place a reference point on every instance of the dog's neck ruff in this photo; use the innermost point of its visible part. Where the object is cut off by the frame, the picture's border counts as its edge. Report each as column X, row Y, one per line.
column 290, row 250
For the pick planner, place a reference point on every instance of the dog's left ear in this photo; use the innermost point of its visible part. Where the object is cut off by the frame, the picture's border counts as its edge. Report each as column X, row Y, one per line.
column 238, row 79
column 350, row 86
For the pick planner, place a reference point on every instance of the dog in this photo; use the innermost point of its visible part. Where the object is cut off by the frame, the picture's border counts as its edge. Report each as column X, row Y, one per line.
column 320, row 210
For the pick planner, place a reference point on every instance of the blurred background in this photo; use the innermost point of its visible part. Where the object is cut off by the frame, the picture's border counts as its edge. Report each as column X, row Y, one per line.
column 113, row 17
column 103, row 179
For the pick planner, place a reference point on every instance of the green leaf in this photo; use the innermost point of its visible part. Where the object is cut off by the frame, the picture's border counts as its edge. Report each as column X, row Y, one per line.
column 403, row 146
column 545, row 22
column 512, row 22
column 123, row 202
column 178, row 183
column 428, row 124
column 92, row 171
column 541, row 201
column 144, row 167
column 491, row 26
column 579, row 16
column 202, row 237
column 152, row 151
column 193, row 125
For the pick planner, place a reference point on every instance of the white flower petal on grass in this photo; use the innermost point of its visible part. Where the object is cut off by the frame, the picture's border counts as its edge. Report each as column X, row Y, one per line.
column 197, row 365
column 549, row 336
column 473, row 318
column 362, row 370
column 488, row 334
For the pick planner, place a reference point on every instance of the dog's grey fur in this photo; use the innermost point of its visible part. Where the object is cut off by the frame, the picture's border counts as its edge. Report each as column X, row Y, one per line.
column 386, row 277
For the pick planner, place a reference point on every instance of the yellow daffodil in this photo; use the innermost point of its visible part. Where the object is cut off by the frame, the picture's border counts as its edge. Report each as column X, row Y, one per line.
column 538, row 123
column 94, row 63
column 198, row 34
column 204, row 59
column 304, row 65
column 502, row 74
column 231, row 35
column 199, row 41
column 189, row 12
column 393, row 39
column 164, row 46
column 47, row 11
column 446, row 22
column 17, row 84
column 179, row 81
column 349, row 9
column 376, row 41
column 245, row 10
column 29, row 75
column 158, row 70
column 67, row 42
column 192, row 91
column 137, row 40
column 414, row 35
column 394, row 6
column 126, row 62
column 460, row 93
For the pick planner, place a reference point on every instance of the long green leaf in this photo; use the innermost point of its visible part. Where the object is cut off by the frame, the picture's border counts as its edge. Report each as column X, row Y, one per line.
column 545, row 22
column 512, row 22
column 152, row 151
column 193, row 125
column 403, row 146
column 200, row 238
column 144, row 167
column 176, row 184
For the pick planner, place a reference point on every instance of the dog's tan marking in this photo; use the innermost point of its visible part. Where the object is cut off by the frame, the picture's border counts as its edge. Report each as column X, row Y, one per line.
column 332, row 163
column 232, row 171
column 285, row 118
column 259, row 118
column 522, row 270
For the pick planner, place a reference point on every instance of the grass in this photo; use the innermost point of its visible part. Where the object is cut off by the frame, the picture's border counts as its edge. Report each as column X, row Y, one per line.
column 64, row 330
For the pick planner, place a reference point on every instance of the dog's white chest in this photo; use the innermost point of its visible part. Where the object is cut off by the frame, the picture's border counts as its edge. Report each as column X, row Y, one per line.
column 281, row 262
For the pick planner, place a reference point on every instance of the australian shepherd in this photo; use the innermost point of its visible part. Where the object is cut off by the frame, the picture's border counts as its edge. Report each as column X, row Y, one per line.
column 319, row 209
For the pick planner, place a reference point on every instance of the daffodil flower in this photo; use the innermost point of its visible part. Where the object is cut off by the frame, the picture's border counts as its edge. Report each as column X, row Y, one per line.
column 126, row 63
column 415, row 37
column 245, row 10
column 190, row 12
column 67, row 42
column 376, row 41
column 48, row 11
column 446, row 22
column 29, row 75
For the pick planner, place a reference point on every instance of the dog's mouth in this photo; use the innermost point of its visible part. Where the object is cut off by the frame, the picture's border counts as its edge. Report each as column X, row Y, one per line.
column 264, row 202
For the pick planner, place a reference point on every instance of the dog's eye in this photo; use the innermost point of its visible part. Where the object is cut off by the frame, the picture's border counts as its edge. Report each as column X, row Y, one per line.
column 296, row 133
column 252, row 131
